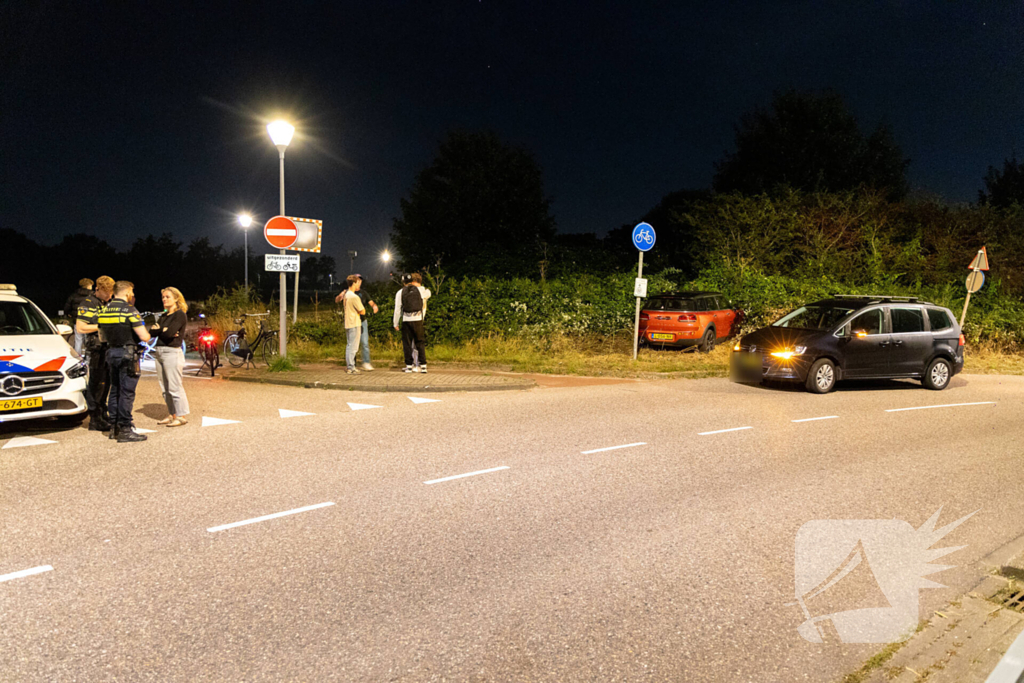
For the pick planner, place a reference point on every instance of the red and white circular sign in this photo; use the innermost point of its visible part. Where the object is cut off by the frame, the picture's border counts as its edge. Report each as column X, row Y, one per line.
column 280, row 232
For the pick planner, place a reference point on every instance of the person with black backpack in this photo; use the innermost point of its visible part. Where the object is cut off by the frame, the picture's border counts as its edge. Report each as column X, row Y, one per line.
column 409, row 304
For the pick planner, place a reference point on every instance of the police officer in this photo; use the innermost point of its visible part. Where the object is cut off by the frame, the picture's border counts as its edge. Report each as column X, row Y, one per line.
column 121, row 323
column 95, row 349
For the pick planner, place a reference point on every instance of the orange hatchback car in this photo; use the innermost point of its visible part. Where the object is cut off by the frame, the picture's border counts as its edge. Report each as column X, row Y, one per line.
column 688, row 318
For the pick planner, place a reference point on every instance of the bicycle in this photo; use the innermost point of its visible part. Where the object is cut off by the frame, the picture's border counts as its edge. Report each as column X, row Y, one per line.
column 206, row 346
column 239, row 350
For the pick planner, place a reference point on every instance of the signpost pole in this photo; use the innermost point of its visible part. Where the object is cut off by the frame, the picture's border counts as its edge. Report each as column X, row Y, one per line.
column 979, row 263
column 282, row 336
column 636, row 319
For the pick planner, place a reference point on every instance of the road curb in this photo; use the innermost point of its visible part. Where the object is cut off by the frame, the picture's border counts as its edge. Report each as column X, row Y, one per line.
column 387, row 388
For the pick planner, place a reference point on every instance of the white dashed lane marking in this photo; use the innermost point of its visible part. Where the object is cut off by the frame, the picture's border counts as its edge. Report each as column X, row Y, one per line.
column 614, row 448
column 812, row 419
column 945, row 405
column 467, row 474
column 723, row 431
column 25, row 572
column 264, row 518
column 414, row 399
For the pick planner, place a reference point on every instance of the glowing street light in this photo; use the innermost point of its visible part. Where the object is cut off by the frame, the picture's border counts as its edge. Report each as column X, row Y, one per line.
column 281, row 134
column 245, row 220
column 385, row 256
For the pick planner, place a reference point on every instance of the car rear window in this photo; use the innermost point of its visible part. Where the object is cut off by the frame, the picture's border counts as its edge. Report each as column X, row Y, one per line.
column 939, row 319
column 906, row 320
column 17, row 317
column 671, row 304
column 814, row 317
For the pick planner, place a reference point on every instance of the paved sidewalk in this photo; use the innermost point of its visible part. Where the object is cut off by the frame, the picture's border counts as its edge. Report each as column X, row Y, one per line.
column 330, row 376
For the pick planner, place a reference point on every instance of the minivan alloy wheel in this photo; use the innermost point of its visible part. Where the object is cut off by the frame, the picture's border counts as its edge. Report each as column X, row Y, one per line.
column 825, row 376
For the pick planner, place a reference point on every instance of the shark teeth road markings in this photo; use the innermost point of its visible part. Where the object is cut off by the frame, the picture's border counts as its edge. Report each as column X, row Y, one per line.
column 467, row 474
column 292, row 413
column 140, row 430
column 723, row 431
column 26, row 572
column 22, row 441
column 414, row 399
column 264, row 518
column 812, row 419
column 216, row 421
column 615, row 448
column 362, row 406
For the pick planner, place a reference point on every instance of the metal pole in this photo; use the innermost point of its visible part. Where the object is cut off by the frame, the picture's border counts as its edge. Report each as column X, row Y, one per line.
column 282, row 343
column 966, row 301
column 636, row 321
column 246, row 233
column 295, row 307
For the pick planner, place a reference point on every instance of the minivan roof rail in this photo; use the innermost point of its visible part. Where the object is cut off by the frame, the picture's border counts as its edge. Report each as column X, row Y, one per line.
column 878, row 297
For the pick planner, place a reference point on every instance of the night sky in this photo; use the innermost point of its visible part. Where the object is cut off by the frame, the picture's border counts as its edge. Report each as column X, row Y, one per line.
column 123, row 119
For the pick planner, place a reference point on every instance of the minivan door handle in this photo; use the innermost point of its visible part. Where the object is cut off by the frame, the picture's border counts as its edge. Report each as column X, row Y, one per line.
column 884, row 343
column 898, row 342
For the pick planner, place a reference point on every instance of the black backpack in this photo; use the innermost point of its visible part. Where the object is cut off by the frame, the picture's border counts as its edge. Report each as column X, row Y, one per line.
column 412, row 301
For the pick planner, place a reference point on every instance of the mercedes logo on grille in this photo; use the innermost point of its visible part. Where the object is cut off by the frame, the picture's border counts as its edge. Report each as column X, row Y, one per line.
column 12, row 385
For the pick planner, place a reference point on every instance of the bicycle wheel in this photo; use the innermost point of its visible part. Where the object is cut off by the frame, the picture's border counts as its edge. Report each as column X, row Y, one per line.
column 212, row 358
column 231, row 344
column 271, row 350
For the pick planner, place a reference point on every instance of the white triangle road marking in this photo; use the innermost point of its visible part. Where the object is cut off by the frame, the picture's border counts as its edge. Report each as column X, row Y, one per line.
column 414, row 399
column 215, row 421
column 22, row 441
column 140, row 430
column 362, row 406
column 292, row 413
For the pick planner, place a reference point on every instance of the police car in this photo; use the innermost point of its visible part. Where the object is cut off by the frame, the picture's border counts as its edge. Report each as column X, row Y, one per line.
column 40, row 375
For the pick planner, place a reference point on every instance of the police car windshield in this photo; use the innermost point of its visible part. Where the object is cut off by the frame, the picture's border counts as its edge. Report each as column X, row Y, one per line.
column 813, row 317
column 19, row 318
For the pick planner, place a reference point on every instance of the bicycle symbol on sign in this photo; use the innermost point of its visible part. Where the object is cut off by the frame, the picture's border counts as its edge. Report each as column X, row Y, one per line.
column 644, row 237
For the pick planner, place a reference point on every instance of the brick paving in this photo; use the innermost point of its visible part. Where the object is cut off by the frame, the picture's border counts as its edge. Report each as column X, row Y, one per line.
column 330, row 376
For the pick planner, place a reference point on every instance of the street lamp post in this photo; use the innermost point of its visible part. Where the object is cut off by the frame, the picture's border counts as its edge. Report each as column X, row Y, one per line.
column 281, row 134
column 245, row 220
column 352, row 261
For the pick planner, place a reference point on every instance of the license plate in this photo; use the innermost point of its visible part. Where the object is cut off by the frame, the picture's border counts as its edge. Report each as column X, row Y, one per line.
column 21, row 403
column 670, row 337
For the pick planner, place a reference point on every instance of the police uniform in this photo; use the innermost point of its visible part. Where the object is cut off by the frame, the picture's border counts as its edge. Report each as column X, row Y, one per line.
column 117, row 321
column 95, row 349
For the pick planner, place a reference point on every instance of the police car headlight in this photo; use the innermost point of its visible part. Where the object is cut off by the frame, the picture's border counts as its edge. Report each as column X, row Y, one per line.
column 80, row 369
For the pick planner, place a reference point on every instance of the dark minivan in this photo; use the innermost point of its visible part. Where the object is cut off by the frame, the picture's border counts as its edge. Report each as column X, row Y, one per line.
column 849, row 337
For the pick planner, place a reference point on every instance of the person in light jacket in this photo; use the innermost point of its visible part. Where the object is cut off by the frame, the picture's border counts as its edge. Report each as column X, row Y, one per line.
column 170, row 356
column 410, row 302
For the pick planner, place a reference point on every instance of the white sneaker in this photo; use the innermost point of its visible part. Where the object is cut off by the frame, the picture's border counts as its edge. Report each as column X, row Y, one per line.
column 367, row 366
column 416, row 368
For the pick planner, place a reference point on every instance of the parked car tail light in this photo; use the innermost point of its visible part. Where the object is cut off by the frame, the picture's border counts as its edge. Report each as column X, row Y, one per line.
column 688, row 318
column 963, row 341
column 644, row 316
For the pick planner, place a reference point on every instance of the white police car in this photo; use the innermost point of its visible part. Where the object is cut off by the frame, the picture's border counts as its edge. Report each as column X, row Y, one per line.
column 40, row 375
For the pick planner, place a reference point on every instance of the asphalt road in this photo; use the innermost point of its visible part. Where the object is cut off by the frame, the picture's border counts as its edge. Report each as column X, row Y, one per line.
column 671, row 559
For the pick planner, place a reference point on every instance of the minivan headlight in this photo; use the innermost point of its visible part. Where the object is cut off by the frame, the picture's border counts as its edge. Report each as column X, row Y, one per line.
column 79, row 369
column 786, row 354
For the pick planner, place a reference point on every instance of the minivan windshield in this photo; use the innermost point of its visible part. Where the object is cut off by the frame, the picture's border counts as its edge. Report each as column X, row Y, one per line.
column 18, row 317
column 814, row 317
column 671, row 304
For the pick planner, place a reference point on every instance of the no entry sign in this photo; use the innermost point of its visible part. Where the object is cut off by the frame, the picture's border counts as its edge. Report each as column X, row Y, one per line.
column 280, row 232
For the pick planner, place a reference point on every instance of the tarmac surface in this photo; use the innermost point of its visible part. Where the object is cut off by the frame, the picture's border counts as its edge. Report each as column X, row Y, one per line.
column 624, row 531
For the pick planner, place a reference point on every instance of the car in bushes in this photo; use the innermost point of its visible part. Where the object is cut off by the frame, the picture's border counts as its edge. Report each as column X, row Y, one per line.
column 40, row 375
column 680, row 319
column 854, row 336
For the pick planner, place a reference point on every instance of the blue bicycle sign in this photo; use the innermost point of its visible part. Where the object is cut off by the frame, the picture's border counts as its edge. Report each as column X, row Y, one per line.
column 643, row 236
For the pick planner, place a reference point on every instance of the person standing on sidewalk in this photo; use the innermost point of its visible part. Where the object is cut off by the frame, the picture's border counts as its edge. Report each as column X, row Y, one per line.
column 364, row 335
column 170, row 356
column 409, row 303
column 353, row 322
